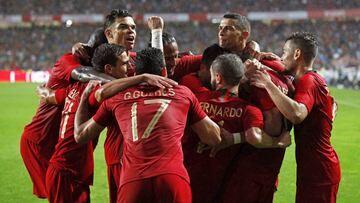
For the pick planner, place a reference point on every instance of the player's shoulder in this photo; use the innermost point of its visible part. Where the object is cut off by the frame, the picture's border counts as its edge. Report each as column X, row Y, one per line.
column 68, row 56
column 188, row 58
column 182, row 89
column 311, row 77
column 189, row 78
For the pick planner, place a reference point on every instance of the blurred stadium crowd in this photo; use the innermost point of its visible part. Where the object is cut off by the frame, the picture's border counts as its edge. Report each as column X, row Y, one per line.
column 38, row 47
column 167, row 6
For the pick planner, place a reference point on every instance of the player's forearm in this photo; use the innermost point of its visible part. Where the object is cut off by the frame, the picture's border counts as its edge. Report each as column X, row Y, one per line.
column 156, row 39
column 208, row 131
column 85, row 74
column 115, row 86
column 260, row 139
column 291, row 109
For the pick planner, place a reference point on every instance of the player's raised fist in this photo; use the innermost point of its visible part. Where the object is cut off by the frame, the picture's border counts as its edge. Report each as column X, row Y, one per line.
column 155, row 22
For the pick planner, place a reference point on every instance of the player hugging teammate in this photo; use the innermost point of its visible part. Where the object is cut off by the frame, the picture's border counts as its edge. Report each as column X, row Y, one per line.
column 217, row 136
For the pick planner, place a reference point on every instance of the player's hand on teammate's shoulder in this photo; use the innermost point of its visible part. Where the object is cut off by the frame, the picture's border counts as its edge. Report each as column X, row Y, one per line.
column 159, row 81
column 227, row 140
column 260, row 79
column 267, row 55
column 155, row 22
column 80, row 52
column 251, row 67
column 91, row 86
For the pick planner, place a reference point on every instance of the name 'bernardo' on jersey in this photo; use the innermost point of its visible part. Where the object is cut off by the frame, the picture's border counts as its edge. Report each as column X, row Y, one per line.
column 139, row 93
column 215, row 110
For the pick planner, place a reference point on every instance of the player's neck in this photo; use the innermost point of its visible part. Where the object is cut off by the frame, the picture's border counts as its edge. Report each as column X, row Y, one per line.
column 303, row 69
column 233, row 90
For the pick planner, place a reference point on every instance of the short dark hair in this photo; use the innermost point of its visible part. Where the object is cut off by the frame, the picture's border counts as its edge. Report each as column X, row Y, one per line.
column 96, row 39
column 210, row 54
column 113, row 15
column 149, row 60
column 167, row 38
column 241, row 21
column 106, row 54
column 230, row 67
column 307, row 42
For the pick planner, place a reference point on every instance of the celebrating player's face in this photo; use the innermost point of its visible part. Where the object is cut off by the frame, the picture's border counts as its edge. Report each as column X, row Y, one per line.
column 122, row 65
column 287, row 57
column 122, row 32
column 230, row 37
column 171, row 52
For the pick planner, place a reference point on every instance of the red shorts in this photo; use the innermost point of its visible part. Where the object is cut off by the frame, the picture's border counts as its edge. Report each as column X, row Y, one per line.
column 113, row 172
column 164, row 188
column 36, row 161
column 242, row 185
column 62, row 188
column 316, row 194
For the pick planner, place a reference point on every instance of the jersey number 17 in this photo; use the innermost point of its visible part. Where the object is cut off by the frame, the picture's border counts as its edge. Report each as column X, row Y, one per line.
column 164, row 104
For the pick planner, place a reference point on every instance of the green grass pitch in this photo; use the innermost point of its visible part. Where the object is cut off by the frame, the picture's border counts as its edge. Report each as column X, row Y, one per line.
column 18, row 104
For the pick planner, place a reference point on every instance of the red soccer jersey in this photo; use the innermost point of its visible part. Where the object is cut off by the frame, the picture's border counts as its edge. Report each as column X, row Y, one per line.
column 262, row 99
column 69, row 155
column 266, row 162
column 273, row 64
column 234, row 115
column 45, row 124
column 317, row 161
column 113, row 143
column 187, row 65
column 193, row 83
column 152, row 122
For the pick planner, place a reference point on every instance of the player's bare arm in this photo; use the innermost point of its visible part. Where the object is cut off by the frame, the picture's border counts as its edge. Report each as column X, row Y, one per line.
column 294, row 111
column 260, row 139
column 86, row 129
column 113, row 87
column 254, row 136
column 85, row 74
column 156, row 25
column 208, row 131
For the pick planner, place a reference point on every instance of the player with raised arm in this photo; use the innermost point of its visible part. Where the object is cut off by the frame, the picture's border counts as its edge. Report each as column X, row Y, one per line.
column 311, row 111
column 153, row 169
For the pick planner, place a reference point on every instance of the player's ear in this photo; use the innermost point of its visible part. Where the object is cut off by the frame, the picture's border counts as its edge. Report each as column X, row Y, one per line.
column 108, row 69
column 245, row 34
column 218, row 78
column 297, row 54
column 108, row 34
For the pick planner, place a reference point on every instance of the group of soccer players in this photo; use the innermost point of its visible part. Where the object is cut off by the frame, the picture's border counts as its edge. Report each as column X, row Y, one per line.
column 217, row 134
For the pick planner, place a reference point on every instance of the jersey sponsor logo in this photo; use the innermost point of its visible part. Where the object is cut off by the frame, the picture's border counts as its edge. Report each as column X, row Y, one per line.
column 169, row 92
column 215, row 110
